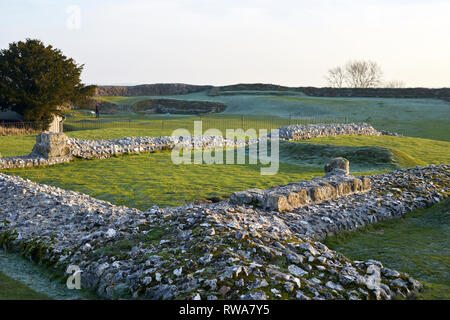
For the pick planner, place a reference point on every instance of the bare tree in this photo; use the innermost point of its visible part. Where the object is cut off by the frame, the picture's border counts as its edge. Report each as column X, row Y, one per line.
column 356, row 74
column 363, row 74
column 336, row 77
column 395, row 84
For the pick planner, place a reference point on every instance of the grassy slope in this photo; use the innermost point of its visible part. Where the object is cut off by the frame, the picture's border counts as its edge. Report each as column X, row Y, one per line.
column 426, row 118
column 410, row 151
column 415, row 244
column 362, row 158
column 11, row 289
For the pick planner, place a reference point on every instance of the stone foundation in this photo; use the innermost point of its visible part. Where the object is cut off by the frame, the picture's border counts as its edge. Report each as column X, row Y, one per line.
column 296, row 195
column 57, row 147
column 199, row 253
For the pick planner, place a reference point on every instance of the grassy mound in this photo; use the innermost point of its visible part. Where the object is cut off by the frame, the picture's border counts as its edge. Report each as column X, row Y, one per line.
column 407, row 150
column 177, row 106
column 362, row 158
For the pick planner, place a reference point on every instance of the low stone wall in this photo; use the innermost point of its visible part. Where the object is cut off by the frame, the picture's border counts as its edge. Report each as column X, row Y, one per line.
column 31, row 160
column 296, row 195
column 213, row 251
column 101, row 149
column 57, row 148
column 309, row 131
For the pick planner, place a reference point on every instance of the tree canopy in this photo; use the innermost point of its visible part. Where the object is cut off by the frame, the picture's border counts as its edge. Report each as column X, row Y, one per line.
column 36, row 79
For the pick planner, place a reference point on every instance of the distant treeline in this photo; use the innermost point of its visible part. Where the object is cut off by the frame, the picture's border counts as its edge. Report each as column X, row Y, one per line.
column 180, row 88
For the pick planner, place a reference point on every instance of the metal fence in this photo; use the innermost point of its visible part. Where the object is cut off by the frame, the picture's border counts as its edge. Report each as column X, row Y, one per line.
column 209, row 121
column 19, row 128
column 164, row 125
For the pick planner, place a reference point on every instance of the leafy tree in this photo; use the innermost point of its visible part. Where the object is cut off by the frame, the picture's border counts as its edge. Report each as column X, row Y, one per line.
column 35, row 79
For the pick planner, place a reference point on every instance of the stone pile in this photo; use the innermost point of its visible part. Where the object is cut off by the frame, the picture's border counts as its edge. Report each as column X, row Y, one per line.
column 214, row 251
column 101, row 149
column 309, row 131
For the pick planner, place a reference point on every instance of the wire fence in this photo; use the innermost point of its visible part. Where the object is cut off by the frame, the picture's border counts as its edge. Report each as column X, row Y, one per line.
column 164, row 125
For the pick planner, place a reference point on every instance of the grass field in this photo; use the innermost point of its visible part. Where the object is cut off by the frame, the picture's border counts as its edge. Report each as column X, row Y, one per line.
column 11, row 289
column 410, row 151
column 142, row 181
column 415, row 244
column 424, row 118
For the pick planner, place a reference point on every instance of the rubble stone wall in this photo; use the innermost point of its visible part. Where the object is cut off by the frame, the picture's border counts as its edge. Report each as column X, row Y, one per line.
column 309, row 131
column 295, row 195
column 213, row 251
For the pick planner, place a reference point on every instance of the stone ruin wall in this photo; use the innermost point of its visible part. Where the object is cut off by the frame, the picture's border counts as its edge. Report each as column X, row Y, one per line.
column 54, row 148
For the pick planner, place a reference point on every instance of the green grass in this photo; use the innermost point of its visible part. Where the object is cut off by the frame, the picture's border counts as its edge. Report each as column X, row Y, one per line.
column 11, row 289
column 144, row 180
column 362, row 158
column 11, row 146
column 417, row 244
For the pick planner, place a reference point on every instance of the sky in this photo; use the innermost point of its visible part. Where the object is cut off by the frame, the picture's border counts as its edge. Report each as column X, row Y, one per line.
column 220, row 42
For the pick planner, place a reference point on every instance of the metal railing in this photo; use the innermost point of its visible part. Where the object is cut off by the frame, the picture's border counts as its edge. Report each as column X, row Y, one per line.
column 165, row 125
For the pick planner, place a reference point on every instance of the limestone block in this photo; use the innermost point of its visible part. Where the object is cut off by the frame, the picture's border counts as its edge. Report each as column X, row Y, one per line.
column 338, row 163
column 51, row 145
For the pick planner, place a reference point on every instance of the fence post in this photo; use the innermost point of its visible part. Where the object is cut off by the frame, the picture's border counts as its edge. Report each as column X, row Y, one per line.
column 242, row 122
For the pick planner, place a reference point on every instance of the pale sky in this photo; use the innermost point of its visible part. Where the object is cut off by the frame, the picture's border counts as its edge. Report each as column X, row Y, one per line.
column 219, row 42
